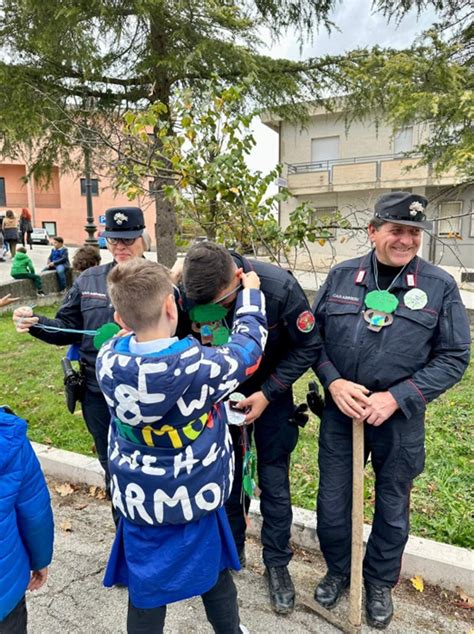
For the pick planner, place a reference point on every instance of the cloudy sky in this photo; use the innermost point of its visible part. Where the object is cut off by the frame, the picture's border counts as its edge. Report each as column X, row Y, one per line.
column 359, row 26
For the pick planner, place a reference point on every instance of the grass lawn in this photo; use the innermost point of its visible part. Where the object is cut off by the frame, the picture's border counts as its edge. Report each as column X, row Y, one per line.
column 442, row 498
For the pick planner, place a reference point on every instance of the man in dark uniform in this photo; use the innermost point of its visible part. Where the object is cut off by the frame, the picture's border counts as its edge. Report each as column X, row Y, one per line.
column 87, row 307
column 212, row 276
column 396, row 336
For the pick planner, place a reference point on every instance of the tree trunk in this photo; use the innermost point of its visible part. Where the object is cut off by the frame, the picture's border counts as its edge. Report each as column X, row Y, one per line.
column 166, row 225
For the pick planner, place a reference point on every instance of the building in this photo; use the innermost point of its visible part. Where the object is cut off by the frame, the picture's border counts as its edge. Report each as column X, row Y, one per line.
column 336, row 168
column 60, row 207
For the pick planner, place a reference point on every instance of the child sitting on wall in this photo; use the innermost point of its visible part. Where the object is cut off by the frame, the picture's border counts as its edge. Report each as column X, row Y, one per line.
column 23, row 269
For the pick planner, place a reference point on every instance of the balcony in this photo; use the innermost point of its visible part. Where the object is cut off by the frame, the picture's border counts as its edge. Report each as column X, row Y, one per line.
column 361, row 173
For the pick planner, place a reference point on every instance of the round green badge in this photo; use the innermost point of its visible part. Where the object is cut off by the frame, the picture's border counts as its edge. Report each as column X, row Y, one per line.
column 382, row 301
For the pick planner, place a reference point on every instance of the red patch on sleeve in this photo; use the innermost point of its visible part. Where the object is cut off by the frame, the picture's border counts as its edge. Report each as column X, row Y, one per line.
column 305, row 321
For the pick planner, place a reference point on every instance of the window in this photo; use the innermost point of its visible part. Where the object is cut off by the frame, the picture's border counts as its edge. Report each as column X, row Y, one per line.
column 324, row 149
column 3, row 198
column 94, row 186
column 323, row 216
column 449, row 221
column 403, row 141
column 50, row 227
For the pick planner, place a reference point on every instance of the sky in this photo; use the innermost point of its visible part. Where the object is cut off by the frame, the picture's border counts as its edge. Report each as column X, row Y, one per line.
column 359, row 26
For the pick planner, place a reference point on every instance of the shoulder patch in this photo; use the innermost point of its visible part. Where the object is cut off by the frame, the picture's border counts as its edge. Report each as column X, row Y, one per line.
column 305, row 321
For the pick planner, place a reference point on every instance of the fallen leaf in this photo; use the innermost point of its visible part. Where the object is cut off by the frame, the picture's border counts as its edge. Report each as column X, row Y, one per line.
column 465, row 601
column 418, row 583
column 101, row 494
column 47, row 440
column 64, row 489
column 93, row 490
column 66, row 526
column 80, row 507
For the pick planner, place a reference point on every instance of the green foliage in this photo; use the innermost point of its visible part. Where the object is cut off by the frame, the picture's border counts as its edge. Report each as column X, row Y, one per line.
column 212, row 186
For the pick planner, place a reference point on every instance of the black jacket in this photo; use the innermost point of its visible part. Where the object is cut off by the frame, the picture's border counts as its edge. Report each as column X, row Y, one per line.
column 417, row 358
column 86, row 307
column 293, row 344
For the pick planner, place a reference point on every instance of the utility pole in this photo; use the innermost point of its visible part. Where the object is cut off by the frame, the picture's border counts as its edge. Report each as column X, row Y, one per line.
column 90, row 227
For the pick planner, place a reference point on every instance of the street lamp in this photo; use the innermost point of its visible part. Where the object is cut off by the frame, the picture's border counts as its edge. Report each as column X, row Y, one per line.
column 90, row 226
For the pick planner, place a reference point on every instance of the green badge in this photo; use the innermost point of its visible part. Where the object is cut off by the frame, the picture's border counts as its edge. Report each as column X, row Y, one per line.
column 104, row 333
column 381, row 301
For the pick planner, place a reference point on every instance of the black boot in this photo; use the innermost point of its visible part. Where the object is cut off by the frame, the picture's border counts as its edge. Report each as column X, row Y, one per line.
column 282, row 590
column 378, row 605
column 330, row 589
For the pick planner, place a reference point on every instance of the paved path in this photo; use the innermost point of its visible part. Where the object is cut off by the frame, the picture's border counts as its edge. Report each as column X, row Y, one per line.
column 74, row 600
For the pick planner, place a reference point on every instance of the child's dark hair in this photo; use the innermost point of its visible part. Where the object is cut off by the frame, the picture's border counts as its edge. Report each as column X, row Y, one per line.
column 85, row 258
column 21, row 249
column 208, row 268
column 59, row 239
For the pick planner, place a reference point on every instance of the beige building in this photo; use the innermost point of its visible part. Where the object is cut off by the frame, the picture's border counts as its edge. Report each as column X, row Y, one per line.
column 345, row 169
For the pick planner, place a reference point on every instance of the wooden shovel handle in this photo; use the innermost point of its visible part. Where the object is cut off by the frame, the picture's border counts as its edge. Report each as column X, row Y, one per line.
column 357, row 547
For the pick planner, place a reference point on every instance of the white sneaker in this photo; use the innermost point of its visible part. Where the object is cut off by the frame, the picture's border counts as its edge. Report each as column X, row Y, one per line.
column 243, row 629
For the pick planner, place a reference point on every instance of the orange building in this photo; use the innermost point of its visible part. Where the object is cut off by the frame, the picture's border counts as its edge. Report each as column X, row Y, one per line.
column 61, row 207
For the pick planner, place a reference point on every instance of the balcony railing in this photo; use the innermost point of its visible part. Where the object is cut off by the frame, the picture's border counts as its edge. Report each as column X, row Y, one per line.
column 328, row 166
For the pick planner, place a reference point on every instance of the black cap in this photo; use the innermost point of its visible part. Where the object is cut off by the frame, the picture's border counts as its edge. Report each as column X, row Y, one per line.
column 403, row 208
column 124, row 222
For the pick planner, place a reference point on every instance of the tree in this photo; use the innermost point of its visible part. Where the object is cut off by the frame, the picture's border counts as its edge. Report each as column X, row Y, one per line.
column 99, row 58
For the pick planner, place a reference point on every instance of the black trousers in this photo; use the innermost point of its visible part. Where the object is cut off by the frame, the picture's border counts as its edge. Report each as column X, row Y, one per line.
column 397, row 454
column 16, row 621
column 97, row 418
column 220, row 603
column 275, row 439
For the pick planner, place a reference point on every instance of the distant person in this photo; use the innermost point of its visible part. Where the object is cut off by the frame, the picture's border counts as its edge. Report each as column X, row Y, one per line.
column 23, row 269
column 25, row 228
column 26, row 523
column 2, row 242
column 170, row 450
column 59, row 261
column 10, row 231
column 85, row 258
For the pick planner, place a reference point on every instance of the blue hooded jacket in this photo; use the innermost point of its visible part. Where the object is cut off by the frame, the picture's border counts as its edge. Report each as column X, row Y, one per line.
column 26, row 518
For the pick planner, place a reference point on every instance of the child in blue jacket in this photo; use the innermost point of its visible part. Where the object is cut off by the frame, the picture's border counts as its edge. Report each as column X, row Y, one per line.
column 170, row 451
column 26, row 523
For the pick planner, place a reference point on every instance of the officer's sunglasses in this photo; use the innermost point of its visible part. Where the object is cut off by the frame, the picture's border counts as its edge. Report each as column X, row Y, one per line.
column 126, row 241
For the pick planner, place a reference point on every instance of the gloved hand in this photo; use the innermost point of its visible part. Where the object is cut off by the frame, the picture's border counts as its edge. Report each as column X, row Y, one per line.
column 315, row 400
column 300, row 415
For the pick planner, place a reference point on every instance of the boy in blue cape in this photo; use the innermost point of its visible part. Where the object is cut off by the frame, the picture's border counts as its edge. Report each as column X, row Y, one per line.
column 170, row 451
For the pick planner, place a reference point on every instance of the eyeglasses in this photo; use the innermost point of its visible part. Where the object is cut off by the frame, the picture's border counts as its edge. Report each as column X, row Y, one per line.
column 126, row 241
column 227, row 295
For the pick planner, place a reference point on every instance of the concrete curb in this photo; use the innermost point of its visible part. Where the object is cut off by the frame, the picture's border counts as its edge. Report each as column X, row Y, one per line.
column 440, row 564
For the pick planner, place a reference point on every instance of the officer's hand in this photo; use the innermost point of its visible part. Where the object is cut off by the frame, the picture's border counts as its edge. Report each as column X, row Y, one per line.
column 350, row 397
column 23, row 319
column 250, row 280
column 254, row 405
column 177, row 271
column 381, row 406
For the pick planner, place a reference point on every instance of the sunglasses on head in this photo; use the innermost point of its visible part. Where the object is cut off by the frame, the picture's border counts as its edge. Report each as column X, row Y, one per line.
column 126, row 241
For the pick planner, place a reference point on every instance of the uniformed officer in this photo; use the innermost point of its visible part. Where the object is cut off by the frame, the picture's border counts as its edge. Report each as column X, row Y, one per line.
column 396, row 336
column 87, row 307
column 212, row 276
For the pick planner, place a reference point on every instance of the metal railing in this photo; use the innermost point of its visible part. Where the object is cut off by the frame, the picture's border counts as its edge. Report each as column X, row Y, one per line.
column 328, row 166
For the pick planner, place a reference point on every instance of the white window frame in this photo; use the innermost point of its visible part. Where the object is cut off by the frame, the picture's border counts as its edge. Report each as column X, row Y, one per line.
column 454, row 224
column 324, row 160
column 324, row 211
column 398, row 137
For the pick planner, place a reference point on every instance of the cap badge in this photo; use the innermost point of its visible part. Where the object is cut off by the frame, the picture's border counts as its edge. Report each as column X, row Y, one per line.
column 415, row 207
column 119, row 218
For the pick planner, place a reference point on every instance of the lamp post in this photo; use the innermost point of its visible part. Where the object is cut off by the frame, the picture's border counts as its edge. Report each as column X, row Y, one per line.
column 90, row 227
